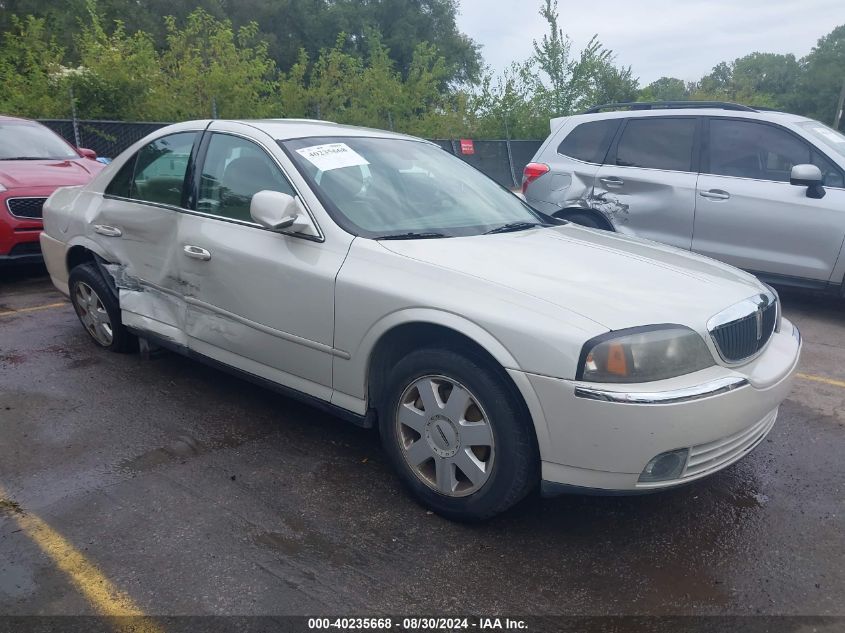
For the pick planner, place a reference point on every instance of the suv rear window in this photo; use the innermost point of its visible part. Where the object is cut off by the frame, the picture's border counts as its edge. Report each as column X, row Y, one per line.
column 655, row 143
column 590, row 141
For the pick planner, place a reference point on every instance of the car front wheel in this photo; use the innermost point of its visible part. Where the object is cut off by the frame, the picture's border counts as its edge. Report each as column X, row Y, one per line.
column 458, row 435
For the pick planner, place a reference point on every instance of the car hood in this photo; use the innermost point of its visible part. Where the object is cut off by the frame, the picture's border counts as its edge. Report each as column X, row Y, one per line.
column 616, row 281
column 47, row 173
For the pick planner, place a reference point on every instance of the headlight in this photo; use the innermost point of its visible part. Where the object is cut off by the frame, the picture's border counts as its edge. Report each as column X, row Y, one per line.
column 644, row 354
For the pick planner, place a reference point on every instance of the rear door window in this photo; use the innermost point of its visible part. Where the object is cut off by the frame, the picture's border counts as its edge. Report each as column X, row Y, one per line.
column 590, row 141
column 657, row 143
column 160, row 168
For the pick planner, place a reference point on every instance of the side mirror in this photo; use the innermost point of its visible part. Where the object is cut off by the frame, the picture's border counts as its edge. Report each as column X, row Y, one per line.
column 279, row 211
column 808, row 176
column 87, row 153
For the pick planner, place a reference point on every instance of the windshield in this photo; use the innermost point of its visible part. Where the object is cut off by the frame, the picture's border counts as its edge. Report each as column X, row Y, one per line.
column 827, row 135
column 384, row 187
column 30, row 141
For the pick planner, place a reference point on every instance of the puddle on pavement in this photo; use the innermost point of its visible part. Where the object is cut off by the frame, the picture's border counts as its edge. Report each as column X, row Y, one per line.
column 186, row 447
column 12, row 359
column 182, row 447
column 83, row 362
column 303, row 540
column 280, row 542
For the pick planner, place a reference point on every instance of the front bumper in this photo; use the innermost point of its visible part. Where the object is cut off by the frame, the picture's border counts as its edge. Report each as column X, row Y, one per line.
column 22, row 253
column 19, row 236
column 599, row 438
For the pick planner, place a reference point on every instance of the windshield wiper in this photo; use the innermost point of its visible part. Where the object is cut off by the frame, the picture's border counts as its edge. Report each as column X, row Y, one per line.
column 410, row 236
column 510, row 227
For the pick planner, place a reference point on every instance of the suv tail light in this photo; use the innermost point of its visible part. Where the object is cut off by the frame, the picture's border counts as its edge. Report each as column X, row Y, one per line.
column 532, row 172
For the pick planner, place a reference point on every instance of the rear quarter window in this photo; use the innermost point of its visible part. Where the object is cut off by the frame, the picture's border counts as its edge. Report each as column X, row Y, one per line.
column 122, row 181
column 590, row 141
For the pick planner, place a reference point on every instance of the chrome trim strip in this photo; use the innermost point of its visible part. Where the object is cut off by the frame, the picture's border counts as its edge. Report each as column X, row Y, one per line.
column 740, row 310
column 687, row 394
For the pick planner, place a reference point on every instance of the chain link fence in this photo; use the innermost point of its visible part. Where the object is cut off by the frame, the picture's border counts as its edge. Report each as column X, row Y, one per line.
column 503, row 160
column 107, row 138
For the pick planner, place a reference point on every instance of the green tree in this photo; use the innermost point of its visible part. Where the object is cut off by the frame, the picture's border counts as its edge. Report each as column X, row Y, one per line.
column 823, row 77
column 285, row 25
column 767, row 73
column 208, row 65
column 118, row 76
column 565, row 83
column 342, row 87
column 31, row 71
column 614, row 84
column 761, row 79
column 665, row 89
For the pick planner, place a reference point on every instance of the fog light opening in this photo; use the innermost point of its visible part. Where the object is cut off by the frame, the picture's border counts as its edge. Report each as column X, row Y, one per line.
column 665, row 466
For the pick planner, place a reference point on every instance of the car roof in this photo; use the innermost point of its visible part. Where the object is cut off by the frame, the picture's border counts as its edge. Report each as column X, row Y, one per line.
column 758, row 115
column 287, row 129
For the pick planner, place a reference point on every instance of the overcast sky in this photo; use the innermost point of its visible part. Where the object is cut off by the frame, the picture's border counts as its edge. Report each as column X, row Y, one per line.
column 677, row 38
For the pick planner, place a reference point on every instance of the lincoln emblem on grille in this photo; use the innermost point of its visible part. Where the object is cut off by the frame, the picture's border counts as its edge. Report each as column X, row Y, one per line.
column 759, row 315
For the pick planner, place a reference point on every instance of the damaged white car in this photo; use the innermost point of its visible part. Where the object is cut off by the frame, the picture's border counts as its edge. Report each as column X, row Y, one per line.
column 374, row 274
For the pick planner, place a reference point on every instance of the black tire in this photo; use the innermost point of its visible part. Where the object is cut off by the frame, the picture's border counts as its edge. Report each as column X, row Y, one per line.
column 515, row 469
column 89, row 274
column 585, row 219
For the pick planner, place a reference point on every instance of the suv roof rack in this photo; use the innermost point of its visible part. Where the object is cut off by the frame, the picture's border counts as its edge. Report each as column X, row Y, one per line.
column 661, row 105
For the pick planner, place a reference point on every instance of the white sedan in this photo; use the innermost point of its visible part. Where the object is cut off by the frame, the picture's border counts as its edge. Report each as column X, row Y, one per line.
column 496, row 350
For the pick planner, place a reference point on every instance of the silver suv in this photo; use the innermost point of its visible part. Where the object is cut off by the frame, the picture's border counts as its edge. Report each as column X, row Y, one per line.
column 759, row 189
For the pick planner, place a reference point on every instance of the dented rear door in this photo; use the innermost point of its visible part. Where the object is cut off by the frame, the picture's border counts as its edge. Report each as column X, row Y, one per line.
column 647, row 186
column 137, row 226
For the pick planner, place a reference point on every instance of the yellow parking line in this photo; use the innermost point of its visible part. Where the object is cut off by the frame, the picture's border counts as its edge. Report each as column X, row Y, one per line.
column 34, row 308
column 822, row 379
column 106, row 599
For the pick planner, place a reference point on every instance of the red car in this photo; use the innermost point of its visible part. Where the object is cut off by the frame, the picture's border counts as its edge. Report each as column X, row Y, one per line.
column 34, row 162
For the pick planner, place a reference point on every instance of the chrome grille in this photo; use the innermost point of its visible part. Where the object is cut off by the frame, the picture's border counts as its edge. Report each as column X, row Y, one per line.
column 27, row 208
column 743, row 330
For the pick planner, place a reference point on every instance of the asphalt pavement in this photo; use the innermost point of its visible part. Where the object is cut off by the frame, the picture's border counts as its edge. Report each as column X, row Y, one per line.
column 165, row 487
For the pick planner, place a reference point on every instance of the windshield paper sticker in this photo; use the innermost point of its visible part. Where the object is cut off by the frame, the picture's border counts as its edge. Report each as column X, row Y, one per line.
column 830, row 135
column 332, row 156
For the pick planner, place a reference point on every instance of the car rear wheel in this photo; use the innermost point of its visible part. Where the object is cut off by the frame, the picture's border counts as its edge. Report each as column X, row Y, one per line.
column 98, row 309
column 458, row 435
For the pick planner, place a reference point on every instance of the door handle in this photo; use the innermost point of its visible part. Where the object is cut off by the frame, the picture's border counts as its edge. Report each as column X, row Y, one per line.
column 195, row 252
column 108, row 231
column 612, row 181
column 715, row 194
